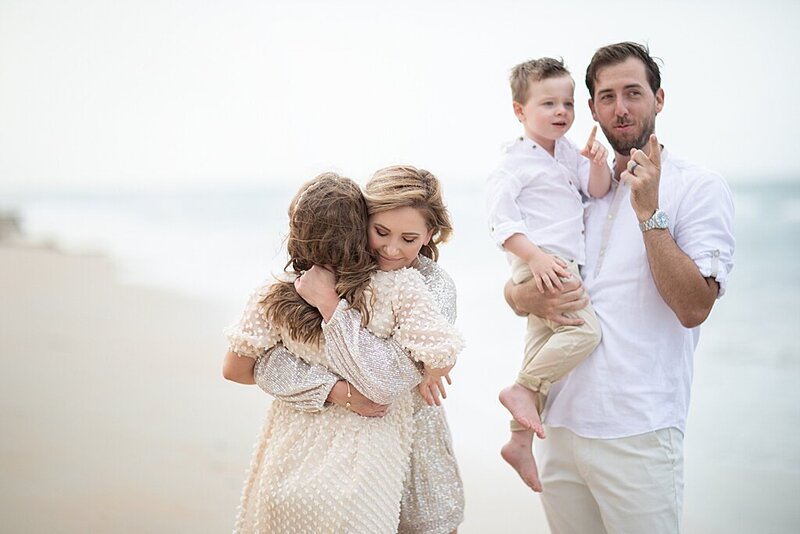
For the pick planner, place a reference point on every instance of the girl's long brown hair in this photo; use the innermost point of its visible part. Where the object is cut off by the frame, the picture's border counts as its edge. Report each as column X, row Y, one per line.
column 327, row 226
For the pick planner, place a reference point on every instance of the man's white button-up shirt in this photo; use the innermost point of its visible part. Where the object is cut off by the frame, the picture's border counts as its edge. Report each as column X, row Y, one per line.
column 639, row 377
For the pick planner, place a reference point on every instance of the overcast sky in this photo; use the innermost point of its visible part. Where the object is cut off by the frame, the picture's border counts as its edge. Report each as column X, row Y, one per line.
column 176, row 94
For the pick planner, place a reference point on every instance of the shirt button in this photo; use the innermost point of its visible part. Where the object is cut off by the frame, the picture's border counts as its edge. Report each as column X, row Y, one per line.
column 610, row 216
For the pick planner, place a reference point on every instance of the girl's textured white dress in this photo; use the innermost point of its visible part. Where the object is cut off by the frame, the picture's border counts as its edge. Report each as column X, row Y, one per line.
column 335, row 471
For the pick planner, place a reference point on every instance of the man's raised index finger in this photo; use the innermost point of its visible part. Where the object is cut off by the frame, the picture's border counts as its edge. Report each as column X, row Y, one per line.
column 655, row 151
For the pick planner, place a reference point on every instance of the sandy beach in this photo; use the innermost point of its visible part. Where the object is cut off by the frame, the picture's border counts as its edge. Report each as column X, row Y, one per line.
column 115, row 416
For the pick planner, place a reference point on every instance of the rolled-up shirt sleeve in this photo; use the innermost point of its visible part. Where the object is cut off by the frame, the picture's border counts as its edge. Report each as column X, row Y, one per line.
column 505, row 217
column 704, row 227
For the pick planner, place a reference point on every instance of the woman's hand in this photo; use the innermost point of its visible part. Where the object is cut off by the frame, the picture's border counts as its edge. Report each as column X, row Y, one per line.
column 317, row 286
column 432, row 385
column 358, row 402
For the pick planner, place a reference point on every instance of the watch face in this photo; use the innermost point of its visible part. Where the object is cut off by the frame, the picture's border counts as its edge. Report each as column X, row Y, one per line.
column 661, row 220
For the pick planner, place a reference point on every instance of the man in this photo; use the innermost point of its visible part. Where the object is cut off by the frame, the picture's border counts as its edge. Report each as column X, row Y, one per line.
column 659, row 248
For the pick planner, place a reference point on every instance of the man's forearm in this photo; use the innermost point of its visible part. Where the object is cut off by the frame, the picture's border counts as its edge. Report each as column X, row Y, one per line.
column 508, row 293
column 679, row 281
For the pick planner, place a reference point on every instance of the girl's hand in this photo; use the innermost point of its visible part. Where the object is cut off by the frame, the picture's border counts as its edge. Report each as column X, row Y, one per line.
column 317, row 286
column 432, row 385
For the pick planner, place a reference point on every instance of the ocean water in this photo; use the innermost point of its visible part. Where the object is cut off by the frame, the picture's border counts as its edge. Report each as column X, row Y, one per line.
column 743, row 437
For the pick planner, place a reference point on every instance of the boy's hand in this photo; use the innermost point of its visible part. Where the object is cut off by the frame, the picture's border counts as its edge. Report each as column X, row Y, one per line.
column 432, row 386
column 594, row 150
column 547, row 272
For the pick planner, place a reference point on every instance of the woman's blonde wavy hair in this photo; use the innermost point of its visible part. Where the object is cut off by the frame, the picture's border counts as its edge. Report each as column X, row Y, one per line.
column 406, row 186
column 327, row 226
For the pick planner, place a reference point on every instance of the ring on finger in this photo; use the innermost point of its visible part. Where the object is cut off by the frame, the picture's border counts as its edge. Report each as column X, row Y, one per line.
column 633, row 167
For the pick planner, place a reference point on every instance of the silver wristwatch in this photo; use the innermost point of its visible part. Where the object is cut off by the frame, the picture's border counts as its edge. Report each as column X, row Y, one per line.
column 658, row 220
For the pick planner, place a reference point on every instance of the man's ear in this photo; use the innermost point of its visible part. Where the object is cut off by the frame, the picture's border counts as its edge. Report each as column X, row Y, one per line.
column 659, row 100
column 591, row 108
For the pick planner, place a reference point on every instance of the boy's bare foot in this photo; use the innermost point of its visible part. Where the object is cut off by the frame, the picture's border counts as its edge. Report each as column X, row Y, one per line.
column 520, row 457
column 521, row 402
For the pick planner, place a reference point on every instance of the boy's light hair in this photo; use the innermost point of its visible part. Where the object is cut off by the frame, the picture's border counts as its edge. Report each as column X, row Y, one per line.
column 534, row 70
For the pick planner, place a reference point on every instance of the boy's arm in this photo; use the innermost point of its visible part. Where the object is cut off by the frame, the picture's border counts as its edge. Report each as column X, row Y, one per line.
column 522, row 247
column 547, row 270
column 599, row 171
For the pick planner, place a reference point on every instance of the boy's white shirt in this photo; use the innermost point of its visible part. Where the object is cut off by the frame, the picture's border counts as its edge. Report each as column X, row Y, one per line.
column 539, row 195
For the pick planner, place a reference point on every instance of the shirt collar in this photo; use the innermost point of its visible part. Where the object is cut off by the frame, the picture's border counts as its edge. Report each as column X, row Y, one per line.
column 525, row 143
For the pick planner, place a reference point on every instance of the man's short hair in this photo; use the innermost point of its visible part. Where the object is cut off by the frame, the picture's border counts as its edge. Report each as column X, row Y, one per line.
column 534, row 70
column 618, row 53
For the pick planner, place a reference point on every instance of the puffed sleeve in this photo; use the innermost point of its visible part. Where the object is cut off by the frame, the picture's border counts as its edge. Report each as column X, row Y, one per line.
column 252, row 336
column 420, row 328
column 303, row 386
column 379, row 368
column 704, row 226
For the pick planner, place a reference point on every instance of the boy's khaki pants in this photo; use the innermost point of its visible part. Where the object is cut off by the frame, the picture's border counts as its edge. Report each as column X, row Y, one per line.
column 553, row 350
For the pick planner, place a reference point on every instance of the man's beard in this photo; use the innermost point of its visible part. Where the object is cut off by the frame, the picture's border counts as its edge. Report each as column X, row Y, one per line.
column 624, row 146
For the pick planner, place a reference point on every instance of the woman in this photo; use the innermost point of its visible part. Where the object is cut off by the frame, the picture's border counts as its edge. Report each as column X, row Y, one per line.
column 433, row 498
column 335, row 471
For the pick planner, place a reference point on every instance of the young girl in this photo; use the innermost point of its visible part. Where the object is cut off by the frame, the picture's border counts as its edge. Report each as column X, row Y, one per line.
column 334, row 470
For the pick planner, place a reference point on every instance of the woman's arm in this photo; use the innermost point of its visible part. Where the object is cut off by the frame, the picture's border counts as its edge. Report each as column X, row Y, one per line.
column 308, row 387
column 303, row 386
column 378, row 368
